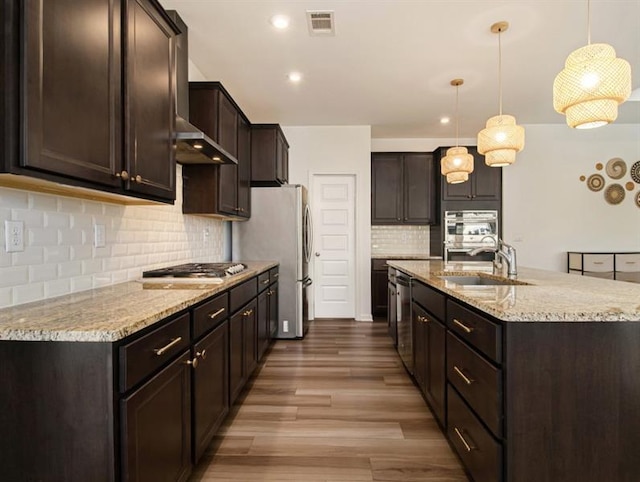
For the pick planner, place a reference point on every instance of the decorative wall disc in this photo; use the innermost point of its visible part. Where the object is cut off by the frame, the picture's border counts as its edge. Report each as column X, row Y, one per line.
column 595, row 182
column 614, row 194
column 582, row 178
column 638, row 199
column 629, row 186
column 599, row 166
column 635, row 172
column 616, row 168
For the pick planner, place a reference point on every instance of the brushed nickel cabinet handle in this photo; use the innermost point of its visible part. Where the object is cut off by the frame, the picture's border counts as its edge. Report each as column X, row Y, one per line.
column 265, row 282
column 423, row 319
column 275, row 275
column 193, row 363
column 467, row 445
column 124, row 175
column 138, row 178
column 598, row 262
column 466, row 379
column 462, row 325
column 202, row 354
column 213, row 315
column 247, row 313
column 172, row 343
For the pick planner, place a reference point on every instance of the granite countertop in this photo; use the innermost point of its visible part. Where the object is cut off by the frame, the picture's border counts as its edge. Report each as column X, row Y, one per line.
column 107, row 314
column 549, row 296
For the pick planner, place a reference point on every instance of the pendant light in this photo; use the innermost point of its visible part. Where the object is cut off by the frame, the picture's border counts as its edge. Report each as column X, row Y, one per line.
column 458, row 163
column 592, row 84
column 502, row 138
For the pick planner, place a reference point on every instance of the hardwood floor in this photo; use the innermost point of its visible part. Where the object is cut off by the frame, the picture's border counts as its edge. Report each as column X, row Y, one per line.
column 337, row 406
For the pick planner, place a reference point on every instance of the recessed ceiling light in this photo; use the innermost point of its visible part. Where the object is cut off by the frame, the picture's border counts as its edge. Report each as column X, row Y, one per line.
column 445, row 120
column 280, row 21
column 294, row 76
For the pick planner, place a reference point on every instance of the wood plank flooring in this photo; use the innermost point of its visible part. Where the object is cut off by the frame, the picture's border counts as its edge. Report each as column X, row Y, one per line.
column 337, row 406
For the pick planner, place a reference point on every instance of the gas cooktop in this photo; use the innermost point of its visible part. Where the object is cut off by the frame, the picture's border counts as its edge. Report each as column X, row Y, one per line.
column 196, row 270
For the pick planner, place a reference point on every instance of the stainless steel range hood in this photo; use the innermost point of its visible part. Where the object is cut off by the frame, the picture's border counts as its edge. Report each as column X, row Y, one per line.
column 193, row 146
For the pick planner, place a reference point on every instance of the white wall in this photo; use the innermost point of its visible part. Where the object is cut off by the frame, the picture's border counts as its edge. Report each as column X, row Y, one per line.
column 548, row 211
column 59, row 255
column 416, row 145
column 340, row 150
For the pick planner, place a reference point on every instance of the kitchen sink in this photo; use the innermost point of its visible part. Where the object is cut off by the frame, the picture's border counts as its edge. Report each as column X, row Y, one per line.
column 476, row 280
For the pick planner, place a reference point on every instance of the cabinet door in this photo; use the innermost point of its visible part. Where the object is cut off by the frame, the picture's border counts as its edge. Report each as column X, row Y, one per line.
column 227, row 125
column 250, row 315
column 487, row 181
column 244, row 168
column 435, row 376
column 419, row 345
column 419, row 188
column 379, row 293
column 73, row 89
column 156, row 427
column 227, row 188
column 263, row 322
column 273, row 310
column 386, row 188
column 149, row 101
column 236, row 356
column 210, row 387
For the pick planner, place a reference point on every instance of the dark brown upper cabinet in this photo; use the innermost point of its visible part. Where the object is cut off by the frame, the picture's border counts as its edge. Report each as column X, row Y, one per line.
column 402, row 188
column 219, row 190
column 92, row 107
column 269, row 155
column 484, row 184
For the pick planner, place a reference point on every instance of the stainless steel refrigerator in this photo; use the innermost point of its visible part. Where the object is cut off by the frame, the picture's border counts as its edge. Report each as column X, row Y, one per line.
column 280, row 229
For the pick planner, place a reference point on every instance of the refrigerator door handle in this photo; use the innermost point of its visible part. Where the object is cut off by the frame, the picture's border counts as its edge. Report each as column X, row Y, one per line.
column 308, row 226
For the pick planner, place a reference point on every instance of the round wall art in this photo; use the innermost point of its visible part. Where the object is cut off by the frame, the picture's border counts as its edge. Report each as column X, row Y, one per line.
column 635, row 172
column 595, row 182
column 614, row 194
column 616, row 168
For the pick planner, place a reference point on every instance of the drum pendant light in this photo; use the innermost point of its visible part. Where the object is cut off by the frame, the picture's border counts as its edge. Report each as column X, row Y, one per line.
column 458, row 163
column 502, row 138
column 592, row 84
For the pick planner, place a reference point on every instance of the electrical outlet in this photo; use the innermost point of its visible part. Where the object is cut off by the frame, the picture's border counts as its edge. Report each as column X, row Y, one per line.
column 99, row 235
column 285, row 326
column 14, row 236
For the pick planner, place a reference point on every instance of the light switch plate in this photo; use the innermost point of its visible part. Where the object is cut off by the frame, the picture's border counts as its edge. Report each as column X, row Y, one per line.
column 99, row 235
column 14, row 236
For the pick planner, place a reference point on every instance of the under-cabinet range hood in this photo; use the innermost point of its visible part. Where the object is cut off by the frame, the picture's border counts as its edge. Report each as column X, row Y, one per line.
column 193, row 146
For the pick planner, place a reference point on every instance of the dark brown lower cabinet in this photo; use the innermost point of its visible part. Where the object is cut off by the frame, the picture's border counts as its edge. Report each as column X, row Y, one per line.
column 250, row 314
column 273, row 311
column 263, row 322
column 236, row 356
column 156, row 427
column 210, row 387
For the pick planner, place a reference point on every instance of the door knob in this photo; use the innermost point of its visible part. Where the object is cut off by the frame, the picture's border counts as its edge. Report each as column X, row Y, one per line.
column 317, row 254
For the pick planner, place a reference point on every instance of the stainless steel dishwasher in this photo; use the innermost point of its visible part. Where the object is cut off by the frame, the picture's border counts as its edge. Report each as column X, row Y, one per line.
column 405, row 327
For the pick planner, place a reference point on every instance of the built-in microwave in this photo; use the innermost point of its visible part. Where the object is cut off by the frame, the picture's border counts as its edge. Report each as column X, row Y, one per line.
column 467, row 230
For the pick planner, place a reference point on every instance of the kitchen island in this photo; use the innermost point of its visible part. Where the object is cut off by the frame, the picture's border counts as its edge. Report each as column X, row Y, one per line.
column 128, row 382
column 534, row 379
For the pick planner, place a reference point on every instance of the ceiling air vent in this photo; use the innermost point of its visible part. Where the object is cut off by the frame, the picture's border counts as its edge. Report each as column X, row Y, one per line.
column 320, row 22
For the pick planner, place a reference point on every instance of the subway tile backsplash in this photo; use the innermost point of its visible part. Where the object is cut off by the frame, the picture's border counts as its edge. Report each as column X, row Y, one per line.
column 399, row 240
column 59, row 255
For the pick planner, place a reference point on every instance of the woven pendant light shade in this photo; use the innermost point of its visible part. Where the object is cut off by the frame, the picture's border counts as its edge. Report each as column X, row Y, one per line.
column 500, row 140
column 591, row 86
column 456, row 165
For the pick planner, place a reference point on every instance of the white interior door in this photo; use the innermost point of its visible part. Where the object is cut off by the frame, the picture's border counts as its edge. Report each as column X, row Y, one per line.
column 333, row 204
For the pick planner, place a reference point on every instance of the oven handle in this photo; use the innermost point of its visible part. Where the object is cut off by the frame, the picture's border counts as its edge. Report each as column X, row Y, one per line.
column 403, row 280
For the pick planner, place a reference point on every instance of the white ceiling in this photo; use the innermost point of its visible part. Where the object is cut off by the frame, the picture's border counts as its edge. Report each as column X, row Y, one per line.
column 390, row 62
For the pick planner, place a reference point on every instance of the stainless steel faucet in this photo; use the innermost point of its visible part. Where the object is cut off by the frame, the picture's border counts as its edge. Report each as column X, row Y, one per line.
column 504, row 251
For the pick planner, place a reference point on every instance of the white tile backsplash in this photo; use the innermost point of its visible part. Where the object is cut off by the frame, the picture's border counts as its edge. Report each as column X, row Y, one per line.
column 399, row 240
column 60, row 257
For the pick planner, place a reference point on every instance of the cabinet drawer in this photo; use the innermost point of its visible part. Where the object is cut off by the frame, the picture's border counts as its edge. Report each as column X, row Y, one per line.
column 480, row 453
column 273, row 274
column 263, row 281
column 143, row 356
column 479, row 382
column 483, row 334
column 631, row 277
column 598, row 262
column 210, row 314
column 429, row 298
column 575, row 261
column 628, row 263
column 240, row 295
column 603, row 275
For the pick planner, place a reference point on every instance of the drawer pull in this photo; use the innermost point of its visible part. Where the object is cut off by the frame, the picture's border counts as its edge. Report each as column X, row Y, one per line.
column 629, row 262
column 247, row 313
column 423, row 319
column 467, row 445
column 193, row 363
column 172, row 343
column 275, row 275
column 598, row 262
column 202, row 354
column 462, row 325
column 265, row 282
column 466, row 379
column 213, row 315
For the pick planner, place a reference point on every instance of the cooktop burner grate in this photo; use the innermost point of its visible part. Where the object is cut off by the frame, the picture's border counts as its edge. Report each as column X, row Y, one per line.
column 196, row 270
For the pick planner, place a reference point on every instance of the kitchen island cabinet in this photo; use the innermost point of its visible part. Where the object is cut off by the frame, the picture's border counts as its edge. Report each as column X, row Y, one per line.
column 539, row 373
column 95, row 392
column 98, row 103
